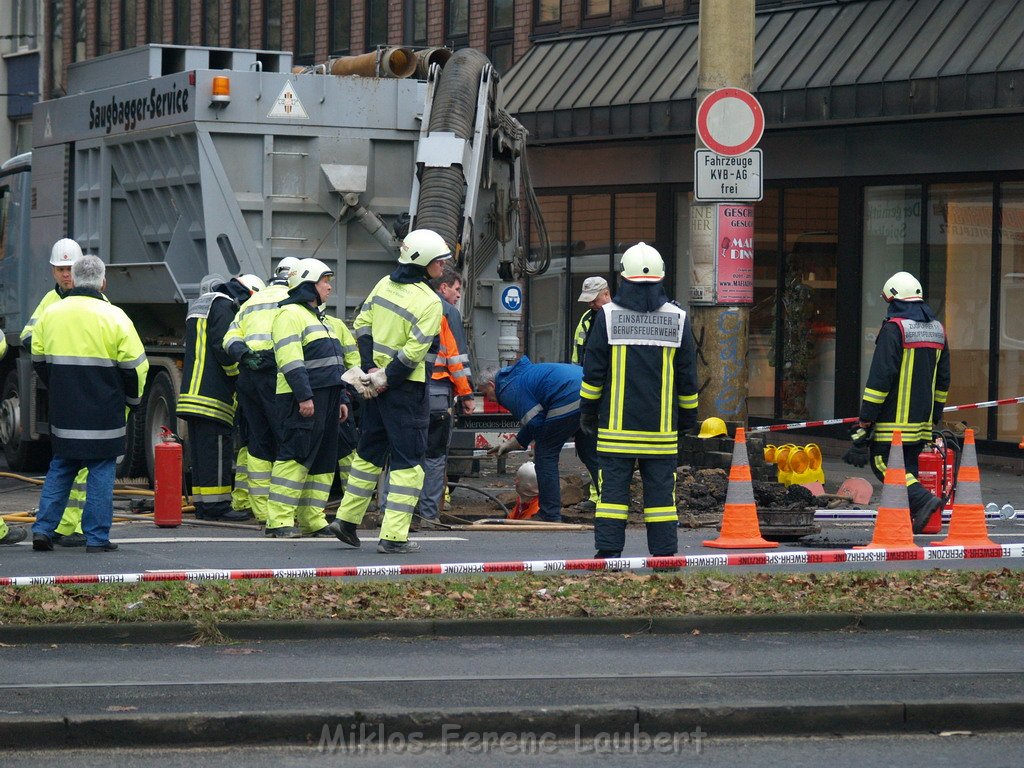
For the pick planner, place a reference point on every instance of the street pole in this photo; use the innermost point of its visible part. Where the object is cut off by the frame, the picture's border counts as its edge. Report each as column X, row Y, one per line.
column 725, row 59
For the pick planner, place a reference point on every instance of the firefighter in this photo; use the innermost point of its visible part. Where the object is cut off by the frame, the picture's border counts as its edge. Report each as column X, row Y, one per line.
column 395, row 331
column 275, row 290
column 63, row 255
column 91, row 359
column 449, row 377
column 248, row 341
column 639, row 392
column 595, row 294
column 545, row 398
column 309, row 402
column 906, row 390
column 207, row 398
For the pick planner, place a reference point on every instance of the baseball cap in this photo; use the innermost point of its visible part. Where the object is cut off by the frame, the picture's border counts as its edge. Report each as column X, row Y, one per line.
column 591, row 287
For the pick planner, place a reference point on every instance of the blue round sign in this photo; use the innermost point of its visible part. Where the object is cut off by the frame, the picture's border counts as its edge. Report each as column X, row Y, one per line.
column 512, row 298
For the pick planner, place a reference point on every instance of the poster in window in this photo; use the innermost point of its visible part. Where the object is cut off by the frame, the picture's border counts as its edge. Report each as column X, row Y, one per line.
column 734, row 243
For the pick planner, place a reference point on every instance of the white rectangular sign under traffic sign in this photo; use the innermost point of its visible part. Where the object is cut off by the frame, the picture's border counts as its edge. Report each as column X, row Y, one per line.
column 723, row 178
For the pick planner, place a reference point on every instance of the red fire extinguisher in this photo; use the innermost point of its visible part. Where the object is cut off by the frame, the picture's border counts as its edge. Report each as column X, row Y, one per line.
column 936, row 470
column 167, row 480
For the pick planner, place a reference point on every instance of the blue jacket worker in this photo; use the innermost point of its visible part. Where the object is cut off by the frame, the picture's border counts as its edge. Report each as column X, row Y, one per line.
column 545, row 398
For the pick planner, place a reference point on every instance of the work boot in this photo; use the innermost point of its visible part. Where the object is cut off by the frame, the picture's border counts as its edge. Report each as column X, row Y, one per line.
column 345, row 531
column 587, row 506
column 283, row 532
column 68, row 540
column 607, row 554
column 921, row 515
column 321, row 533
column 13, row 536
column 41, row 543
column 429, row 524
column 107, row 546
column 387, row 547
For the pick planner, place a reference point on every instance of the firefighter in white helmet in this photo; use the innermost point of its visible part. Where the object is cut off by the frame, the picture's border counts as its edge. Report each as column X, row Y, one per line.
column 906, row 390
column 63, row 255
column 639, row 392
column 309, row 402
column 248, row 342
column 396, row 330
column 207, row 398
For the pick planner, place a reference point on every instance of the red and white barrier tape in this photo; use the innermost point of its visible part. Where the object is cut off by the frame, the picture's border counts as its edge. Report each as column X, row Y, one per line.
column 851, row 419
column 824, row 557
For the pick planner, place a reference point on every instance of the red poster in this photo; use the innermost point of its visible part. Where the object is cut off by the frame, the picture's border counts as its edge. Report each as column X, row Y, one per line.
column 735, row 258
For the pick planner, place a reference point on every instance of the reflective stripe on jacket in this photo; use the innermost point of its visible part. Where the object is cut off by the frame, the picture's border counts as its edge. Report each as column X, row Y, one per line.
column 448, row 363
column 91, row 359
column 579, row 338
column 307, row 352
column 208, row 373
column 250, row 331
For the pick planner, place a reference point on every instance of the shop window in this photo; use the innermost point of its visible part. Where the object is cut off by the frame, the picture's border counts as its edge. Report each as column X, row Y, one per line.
column 129, row 23
column 376, row 23
column 546, row 295
column 240, row 37
column 1010, row 421
column 305, row 31
column 761, row 345
column 154, row 21
column 272, row 25
column 211, row 22
column 958, row 286
column 547, row 12
column 103, row 39
column 78, row 51
column 339, row 40
column 182, row 20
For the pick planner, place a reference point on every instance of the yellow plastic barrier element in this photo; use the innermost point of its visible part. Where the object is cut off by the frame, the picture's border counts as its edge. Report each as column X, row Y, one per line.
column 816, row 468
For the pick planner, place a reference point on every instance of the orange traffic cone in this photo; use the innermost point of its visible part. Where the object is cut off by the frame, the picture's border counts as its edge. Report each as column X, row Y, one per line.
column 892, row 524
column 740, row 529
column 967, row 526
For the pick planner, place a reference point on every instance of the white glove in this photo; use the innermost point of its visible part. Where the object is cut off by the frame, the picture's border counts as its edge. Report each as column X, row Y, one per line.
column 360, row 382
column 507, row 446
column 379, row 379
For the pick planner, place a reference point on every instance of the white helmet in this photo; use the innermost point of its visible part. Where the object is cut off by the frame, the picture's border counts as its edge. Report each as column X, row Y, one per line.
column 422, row 246
column 251, row 282
column 65, row 252
column 642, row 264
column 285, row 266
column 308, row 271
column 526, row 480
column 903, row 286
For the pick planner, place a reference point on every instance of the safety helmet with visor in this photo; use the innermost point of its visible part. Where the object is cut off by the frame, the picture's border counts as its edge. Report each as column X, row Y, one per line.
column 285, row 266
column 308, row 271
column 422, row 247
column 251, row 282
column 641, row 263
column 902, row 286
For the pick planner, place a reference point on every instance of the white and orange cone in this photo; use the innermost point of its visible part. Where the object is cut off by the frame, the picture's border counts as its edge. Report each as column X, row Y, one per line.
column 740, row 529
column 967, row 526
column 892, row 524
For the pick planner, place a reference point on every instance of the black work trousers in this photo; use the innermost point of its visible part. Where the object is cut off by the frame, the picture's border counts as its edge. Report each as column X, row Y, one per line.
column 394, row 426
column 257, row 401
column 659, row 480
column 212, row 453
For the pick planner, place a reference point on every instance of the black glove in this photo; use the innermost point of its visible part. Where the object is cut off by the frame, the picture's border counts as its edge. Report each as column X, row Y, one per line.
column 859, row 453
column 588, row 424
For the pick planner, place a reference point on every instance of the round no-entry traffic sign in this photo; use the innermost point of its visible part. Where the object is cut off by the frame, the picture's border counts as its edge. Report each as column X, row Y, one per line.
column 730, row 121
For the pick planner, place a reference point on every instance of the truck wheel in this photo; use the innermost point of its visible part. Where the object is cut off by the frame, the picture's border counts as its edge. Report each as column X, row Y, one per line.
column 22, row 456
column 156, row 410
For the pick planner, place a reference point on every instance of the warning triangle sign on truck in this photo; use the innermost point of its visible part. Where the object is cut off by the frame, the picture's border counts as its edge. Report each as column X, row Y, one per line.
column 287, row 104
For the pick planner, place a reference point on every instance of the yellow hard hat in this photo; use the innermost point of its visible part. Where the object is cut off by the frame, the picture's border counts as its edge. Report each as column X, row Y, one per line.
column 713, row 427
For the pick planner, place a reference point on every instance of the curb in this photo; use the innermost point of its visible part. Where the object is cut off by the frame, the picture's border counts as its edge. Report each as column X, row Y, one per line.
column 257, row 631
column 366, row 731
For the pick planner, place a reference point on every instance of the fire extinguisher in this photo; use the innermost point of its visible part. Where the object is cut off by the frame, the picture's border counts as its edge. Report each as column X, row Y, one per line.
column 167, row 480
column 937, row 467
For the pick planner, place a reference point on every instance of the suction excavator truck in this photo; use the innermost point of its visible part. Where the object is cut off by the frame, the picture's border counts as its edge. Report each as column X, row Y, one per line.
column 173, row 163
